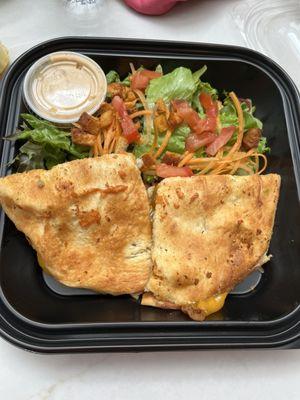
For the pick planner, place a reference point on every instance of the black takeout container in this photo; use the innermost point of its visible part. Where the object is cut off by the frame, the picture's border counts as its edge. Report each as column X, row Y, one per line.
column 36, row 317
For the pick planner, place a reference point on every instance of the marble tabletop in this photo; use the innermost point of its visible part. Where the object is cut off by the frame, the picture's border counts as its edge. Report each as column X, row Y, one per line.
column 270, row 26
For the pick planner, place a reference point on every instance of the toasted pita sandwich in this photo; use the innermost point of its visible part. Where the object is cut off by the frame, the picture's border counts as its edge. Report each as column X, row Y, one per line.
column 209, row 233
column 87, row 219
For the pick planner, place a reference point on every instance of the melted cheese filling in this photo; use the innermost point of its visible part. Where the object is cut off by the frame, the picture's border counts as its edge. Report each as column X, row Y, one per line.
column 213, row 304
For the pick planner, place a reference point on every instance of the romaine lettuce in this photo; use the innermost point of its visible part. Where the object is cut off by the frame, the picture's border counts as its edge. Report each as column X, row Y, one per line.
column 46, row 145
column 228, row 116
column 178, row 84
column 176, row 143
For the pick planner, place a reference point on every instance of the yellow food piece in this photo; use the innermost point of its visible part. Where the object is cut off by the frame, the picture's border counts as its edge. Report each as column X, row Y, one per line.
column 213, row 304
column 41, row 262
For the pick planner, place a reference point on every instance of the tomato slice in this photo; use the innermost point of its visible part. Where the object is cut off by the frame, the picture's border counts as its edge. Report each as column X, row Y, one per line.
column 220, row 141
column 194, row 142
column 130, row 132
column 141, row 79
column 168, row 171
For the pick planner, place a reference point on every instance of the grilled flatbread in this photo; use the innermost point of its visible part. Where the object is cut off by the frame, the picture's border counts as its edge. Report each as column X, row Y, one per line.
column 209, row 233
column 87, row 219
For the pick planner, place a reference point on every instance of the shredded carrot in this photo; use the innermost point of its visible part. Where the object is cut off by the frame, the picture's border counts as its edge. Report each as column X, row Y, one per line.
column 112, row 145
column 218, row 165
column 107, row 140
column 235, row 157
column 129, row 104
column 98, row 141
column 235, row 167
column 164, row 143
column 140, row 113
column 186, row 159
column 95, row 149
column 212, row 163
column 256, row 162
column 207, row 168
column 143, row 100
column 155, row 139
column 133, row 70
column 240, row 115
column 247, row 169
column 265, row 164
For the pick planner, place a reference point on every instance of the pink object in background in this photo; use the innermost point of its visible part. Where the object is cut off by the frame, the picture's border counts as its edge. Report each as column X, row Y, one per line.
column 152, row 7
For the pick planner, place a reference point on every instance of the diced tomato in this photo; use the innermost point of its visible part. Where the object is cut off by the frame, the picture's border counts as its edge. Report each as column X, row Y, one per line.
column 211, row 111
column 130, row 132
column 150, row 74
column 195, row 122
column 141, row 79
column 191, row 117
column 168, row 171
column 194, row 142
column 220, row 141
column 208, row 104
column 210, row 124
column 181, row 107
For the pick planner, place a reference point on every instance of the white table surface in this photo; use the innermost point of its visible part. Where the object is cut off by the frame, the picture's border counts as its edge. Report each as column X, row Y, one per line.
column 270, row 26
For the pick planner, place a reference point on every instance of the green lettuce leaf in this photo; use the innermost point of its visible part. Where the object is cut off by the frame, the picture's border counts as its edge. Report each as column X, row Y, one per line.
column 197, row 74
column 197, row 105
column 176, row 143
column 53, row 156
column 206, row 87
column 262, row 146
column 178, row 84
column 250, row 121
column 45, row 133
column 112, row 76
column 126, row 81
column 30, row 156
column 228, row 116
column 46, row 145
column 36, row 123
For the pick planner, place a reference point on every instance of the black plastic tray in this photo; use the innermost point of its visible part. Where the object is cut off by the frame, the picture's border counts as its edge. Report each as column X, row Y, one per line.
column 35, row 317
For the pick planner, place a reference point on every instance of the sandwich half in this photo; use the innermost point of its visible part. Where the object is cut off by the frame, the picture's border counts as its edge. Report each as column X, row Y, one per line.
column 88, row 221
column 209, row 233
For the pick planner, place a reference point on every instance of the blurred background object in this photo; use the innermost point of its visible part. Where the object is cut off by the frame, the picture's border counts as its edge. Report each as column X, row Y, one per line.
column 152, row 7
column 4, row 59
column 84, row 11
